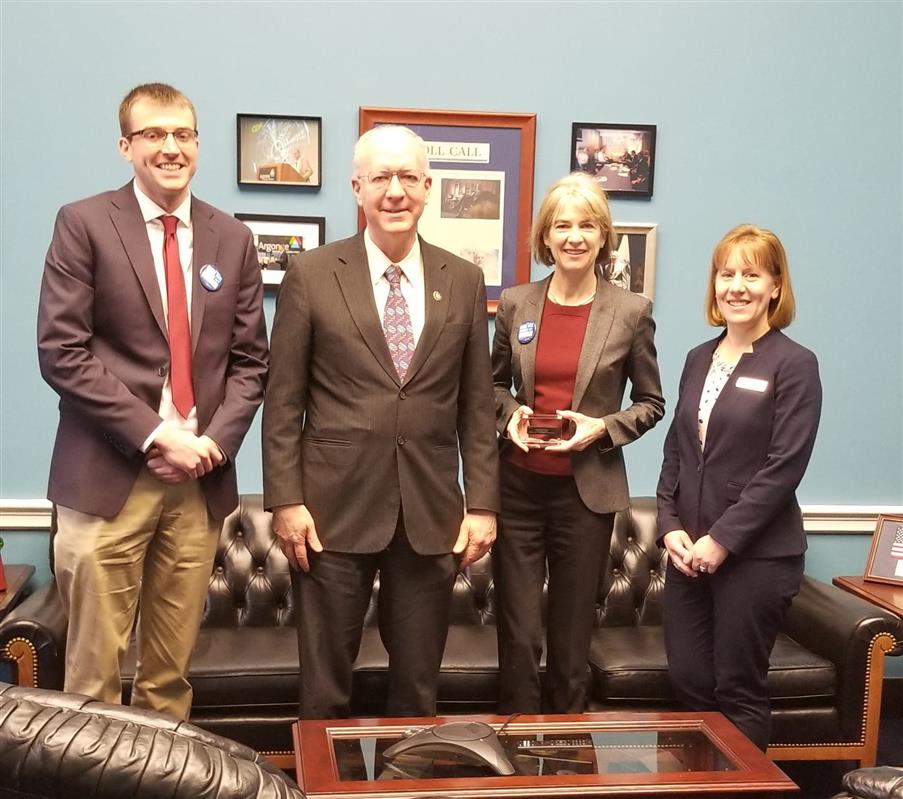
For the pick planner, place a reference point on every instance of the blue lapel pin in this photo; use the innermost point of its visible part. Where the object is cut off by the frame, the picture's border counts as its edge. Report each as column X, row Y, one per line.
column 210, row 276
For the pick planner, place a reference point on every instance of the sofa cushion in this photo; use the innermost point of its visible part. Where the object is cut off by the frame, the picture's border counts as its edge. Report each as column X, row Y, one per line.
column 254, row 666
column 628, row 665
column 237, row 667
column 469, row 667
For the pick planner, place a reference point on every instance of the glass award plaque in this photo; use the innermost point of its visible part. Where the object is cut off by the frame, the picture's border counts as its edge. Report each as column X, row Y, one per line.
column 546, row 429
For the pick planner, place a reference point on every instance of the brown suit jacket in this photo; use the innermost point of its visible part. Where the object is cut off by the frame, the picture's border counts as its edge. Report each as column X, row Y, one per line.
column 102, row 346
column 618, row 346
column 342, row 434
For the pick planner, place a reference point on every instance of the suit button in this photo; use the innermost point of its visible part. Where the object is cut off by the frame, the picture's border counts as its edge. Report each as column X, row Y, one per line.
column 402, row 395
column 162, row 371
column 401, row 441
column 699, row 469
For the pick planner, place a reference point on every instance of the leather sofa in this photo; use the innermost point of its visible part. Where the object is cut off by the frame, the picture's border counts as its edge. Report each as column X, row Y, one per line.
column 825, row 679
column 885, row 782
column 61, row 746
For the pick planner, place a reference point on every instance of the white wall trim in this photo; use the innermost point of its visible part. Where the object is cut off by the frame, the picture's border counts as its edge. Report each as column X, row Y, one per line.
column 24, row 514
column 34, row 514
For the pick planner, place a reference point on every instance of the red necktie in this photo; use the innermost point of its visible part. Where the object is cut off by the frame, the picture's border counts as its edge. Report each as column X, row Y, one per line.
column 397, row 324
column 177, row 318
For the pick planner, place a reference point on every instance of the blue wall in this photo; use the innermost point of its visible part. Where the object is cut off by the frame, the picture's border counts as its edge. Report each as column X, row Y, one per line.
column 788, row 115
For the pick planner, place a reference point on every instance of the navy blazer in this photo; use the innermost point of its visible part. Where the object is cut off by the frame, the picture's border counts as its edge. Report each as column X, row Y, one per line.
column 741, row 489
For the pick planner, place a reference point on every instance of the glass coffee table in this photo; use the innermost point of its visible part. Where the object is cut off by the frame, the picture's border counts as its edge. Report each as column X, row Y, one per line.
column 595, row 754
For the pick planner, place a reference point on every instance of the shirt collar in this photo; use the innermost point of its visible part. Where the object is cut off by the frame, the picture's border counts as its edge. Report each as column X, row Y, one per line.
column 150, row 210
column 378, row 262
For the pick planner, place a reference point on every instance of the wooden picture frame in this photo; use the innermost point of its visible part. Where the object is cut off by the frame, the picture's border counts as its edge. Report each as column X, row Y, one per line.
column 885, row 563
column 482, row 192
column 633, row 262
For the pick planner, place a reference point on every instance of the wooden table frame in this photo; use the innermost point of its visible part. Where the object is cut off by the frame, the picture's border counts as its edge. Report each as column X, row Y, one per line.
column 754, row 774
column 17, row 576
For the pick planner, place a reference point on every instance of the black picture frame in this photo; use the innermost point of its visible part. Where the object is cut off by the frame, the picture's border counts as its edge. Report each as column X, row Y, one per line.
column 279, row 150
column 277, row 236
column 620, row 156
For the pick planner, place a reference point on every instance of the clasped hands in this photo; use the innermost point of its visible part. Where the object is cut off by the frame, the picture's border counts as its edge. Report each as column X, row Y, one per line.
column 179, row 455
column 692, row 559
column 297, row 532
column 587, row 430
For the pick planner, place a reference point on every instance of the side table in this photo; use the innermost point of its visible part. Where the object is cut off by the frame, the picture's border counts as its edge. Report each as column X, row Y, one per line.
column 17, row 577
column 884, row 595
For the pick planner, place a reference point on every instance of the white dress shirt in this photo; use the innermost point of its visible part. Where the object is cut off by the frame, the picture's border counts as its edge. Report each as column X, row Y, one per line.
column 412, row 282
column 185, row 236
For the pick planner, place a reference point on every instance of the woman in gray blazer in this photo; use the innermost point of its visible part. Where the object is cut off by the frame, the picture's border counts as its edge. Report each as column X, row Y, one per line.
column 566, row 346
column 743, row 431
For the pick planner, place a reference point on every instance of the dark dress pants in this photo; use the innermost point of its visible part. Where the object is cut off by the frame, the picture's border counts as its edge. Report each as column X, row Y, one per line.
column 719, row 632
column 331, row 601
column 544, row 521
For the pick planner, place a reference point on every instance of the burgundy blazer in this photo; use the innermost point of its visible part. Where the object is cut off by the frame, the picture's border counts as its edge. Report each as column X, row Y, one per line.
column 345, row 437
column 102, row 346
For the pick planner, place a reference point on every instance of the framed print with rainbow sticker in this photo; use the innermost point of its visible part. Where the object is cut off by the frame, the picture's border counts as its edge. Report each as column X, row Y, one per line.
column 278, row 237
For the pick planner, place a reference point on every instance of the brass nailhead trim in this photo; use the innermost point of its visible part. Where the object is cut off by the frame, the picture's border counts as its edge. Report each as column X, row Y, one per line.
column 34, row 655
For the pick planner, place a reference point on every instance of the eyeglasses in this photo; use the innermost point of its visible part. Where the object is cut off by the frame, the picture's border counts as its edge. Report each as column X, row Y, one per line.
column 158, row 136
column 407, row 178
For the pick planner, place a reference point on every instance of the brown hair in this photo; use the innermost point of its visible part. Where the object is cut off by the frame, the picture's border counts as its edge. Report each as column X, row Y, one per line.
column 159, row 93
column 764, row 249
column 578, row 186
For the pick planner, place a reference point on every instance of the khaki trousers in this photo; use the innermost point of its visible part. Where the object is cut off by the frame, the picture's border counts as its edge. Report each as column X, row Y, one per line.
column 159, row 549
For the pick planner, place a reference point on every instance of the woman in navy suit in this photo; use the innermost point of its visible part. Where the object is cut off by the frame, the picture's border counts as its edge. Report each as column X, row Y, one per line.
column 566, row 345
column 743, row 431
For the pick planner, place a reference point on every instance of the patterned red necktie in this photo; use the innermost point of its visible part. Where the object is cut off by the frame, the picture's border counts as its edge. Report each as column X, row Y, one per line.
column 177, row 320
column 397, row 324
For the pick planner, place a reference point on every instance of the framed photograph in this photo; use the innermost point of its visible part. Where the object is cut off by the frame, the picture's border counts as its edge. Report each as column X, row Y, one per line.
column 277, row 237
column 481, row 200
column 620, row 157
column 633, row 262
column 279, row 150
column 885, row 563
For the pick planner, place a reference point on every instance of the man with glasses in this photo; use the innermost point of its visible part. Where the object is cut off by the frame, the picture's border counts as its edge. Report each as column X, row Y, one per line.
column 380, row 377
column 151, row 330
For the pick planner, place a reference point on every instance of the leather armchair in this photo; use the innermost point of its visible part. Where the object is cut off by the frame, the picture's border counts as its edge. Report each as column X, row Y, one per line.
column 60, row 745
column 825, row 678
column 884, row 782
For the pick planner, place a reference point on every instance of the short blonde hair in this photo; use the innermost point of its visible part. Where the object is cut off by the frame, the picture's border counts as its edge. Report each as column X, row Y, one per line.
column 159, row 93
column 580, row 187
column 764, row 249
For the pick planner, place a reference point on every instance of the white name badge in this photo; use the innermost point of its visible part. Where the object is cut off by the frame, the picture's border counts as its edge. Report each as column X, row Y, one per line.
column 752, row 384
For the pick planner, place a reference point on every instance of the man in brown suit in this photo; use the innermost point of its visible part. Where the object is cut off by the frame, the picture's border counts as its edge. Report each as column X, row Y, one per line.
column 151, row 330
column 380, row 378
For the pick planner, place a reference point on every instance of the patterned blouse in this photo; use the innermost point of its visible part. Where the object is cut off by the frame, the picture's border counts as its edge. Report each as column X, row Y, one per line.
column 719, row 373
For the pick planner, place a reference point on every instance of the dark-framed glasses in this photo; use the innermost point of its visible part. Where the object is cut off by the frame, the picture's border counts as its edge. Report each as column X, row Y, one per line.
column 408, row 178
column 157, row 136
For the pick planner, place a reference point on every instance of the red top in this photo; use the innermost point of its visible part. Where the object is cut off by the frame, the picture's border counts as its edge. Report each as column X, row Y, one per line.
column 561, row 336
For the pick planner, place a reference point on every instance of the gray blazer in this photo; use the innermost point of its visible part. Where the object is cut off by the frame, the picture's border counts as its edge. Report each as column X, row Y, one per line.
column 618, row 346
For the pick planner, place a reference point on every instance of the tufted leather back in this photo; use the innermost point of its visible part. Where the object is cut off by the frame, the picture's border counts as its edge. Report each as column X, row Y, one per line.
column 250, row 584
